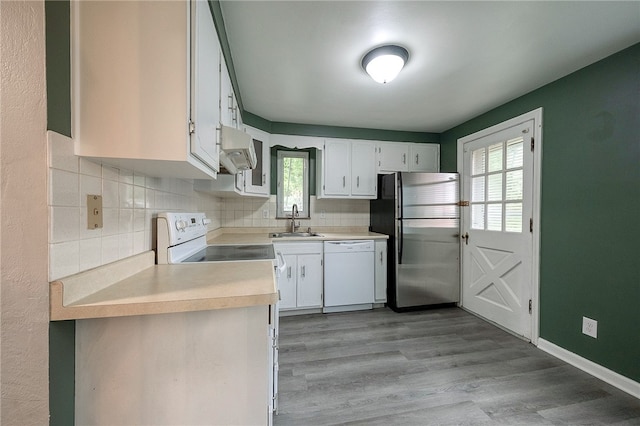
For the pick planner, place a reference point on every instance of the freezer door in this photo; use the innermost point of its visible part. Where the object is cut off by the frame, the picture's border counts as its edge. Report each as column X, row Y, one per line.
column 428, row 195
column 427, row 267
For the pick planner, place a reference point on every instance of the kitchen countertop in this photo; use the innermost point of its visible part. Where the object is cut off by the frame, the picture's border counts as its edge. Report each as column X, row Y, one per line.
column 136, row 286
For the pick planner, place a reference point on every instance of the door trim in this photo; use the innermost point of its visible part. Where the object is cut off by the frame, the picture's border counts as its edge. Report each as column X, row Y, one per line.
column 536, row 116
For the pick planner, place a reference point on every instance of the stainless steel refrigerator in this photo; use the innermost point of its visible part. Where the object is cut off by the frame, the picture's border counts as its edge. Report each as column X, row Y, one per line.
column 420, row 213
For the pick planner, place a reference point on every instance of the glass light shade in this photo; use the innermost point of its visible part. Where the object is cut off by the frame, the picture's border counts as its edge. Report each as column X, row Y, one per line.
column 385, row 68
column 384, row 63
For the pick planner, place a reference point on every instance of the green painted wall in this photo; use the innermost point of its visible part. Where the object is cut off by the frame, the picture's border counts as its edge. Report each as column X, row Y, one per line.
column 62, row 359
column 590, row 223
column 58, row 66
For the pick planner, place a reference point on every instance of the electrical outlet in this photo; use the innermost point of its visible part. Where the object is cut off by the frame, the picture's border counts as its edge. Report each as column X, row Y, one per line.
column 323, row 214
column 590, row 327
column 265, row 214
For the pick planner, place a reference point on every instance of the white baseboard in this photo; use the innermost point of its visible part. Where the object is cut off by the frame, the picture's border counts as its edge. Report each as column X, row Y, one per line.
column 621, row 382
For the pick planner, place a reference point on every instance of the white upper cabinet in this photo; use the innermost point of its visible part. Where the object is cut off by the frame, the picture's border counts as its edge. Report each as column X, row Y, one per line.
column 408, row 157
column 347, row 169
column 205, row 89
column 229, row 111
column 393, row 157
column 363, row 169
column 145, row 77
column 336, row 166
column 424, row 157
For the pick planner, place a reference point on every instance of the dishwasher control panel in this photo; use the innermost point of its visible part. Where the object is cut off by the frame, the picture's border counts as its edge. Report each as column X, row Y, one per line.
column 348, row 246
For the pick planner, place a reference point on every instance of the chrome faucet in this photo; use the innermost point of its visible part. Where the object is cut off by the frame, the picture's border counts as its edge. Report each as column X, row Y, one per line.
column 294, row 214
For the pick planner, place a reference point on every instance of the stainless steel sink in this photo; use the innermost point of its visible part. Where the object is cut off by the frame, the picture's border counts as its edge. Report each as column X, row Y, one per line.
column 294, row 234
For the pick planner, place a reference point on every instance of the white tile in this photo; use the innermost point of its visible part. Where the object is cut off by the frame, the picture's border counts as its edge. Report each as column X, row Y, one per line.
column 110, row 194
column 125, row 194
column 125, row 245
column 64, row 224
column 110, row 247
column 110, row 222
column 126, row 176
column 139, row 179
column 64, row 259
column 110, row 173
column 139, row 242
column 91, row 168
column 90, row 253
column 139, row 220
column 150, row 198
column 138, row 197
column 64, row 188
column 89, row 185
column 126, row 221
column 61, row 155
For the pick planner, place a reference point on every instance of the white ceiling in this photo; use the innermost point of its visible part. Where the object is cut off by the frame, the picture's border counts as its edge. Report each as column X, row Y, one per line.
column 299, row 61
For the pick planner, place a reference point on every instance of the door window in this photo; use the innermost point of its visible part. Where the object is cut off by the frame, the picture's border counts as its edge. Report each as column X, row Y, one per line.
column 496, row 186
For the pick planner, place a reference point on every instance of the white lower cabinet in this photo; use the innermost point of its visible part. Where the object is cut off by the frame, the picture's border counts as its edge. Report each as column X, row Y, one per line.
column 380, row 271
column 202, row 367
column 300, row 283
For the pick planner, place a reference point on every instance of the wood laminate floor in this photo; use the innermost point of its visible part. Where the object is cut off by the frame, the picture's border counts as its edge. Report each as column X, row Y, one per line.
column 441, row 366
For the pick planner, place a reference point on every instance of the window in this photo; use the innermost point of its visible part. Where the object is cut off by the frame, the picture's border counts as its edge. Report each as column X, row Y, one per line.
column 497, row 186
column 293, row 183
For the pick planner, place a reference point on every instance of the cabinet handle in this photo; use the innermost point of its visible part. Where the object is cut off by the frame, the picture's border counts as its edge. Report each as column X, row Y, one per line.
column 304, row 271
column 358, row 183
column 404, row 158
column 416, row 159
column 289, row 272
column 344, row 181
column 381, row 257
column 264, row 178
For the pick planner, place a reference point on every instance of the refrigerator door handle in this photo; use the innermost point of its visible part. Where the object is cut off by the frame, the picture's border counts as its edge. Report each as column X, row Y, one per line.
column 400, row 241
column 400, row 196
column 400, row 216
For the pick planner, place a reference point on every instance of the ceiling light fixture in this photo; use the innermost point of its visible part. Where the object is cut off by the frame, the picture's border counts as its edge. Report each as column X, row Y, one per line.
column 384, row 63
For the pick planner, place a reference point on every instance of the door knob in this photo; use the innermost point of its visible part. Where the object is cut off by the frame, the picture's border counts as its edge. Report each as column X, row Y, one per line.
column 465, row 237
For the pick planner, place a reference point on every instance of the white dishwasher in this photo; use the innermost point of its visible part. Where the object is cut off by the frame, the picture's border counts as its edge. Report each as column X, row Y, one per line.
column 348, row 275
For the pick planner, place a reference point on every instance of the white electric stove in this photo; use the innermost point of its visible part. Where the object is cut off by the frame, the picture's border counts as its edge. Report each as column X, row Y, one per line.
column 182, row 238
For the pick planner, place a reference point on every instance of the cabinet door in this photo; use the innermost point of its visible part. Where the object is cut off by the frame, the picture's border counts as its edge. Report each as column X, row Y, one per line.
column 337, row 167
column 393, row 156
column 257, row 179
column 363, row 169
column 204, row 86
column 424, row 157
column 380, row 271
column 287, row 282
column 309, row 280
column 227, row 99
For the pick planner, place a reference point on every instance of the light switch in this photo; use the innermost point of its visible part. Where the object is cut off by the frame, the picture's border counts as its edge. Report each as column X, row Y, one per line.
column 94, row 211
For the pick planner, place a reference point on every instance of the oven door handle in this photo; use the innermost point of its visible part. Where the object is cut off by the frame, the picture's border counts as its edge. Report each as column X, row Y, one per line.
column 282, row 264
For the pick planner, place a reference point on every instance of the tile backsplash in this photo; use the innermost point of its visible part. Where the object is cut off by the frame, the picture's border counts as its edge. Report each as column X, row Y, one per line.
column 249, row 212
column 130, row 201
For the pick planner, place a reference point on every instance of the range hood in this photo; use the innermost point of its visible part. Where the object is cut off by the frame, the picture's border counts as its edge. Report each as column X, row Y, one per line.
column 236, row 150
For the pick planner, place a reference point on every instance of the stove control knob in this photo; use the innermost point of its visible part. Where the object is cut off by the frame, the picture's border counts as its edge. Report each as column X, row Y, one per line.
column 181, row 225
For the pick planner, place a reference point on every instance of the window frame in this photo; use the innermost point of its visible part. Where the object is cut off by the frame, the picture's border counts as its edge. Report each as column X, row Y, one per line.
column 303, row 213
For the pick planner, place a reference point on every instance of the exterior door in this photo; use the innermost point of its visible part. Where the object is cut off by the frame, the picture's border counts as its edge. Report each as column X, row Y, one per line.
column 496, row 236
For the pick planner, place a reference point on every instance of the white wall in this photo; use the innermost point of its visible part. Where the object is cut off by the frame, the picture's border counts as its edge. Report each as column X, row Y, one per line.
column 24, row 288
